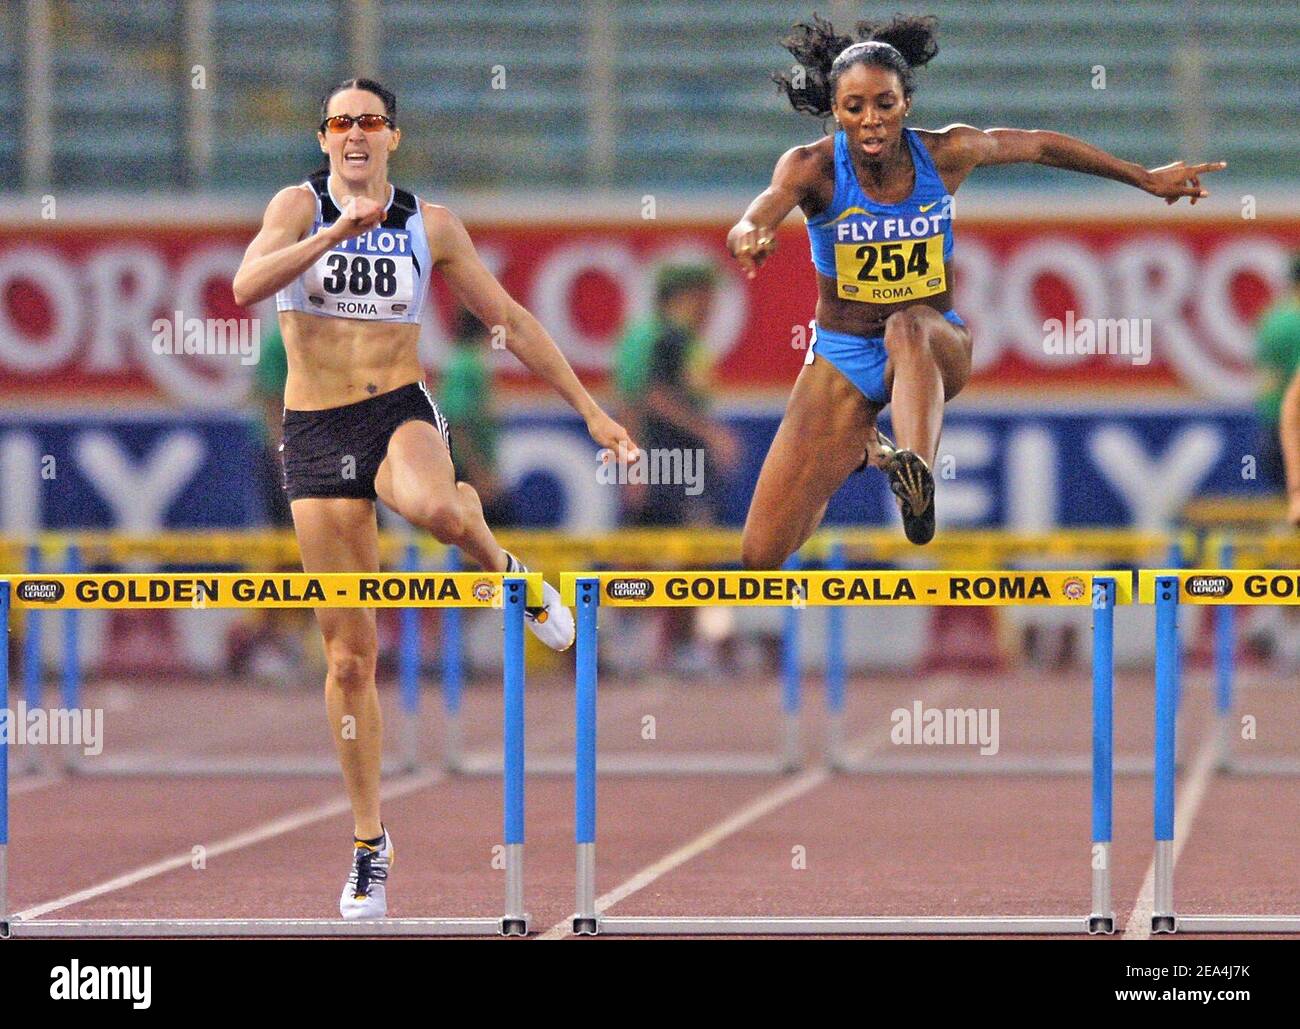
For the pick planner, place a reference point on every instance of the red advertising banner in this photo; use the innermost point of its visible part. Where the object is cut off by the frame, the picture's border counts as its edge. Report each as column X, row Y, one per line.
column 82, row 306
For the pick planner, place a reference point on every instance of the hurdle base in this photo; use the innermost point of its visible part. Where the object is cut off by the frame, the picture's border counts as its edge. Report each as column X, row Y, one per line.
column 1239, row 924
column 265, row 927
column 586, row 926
column 1010, row 925
column 1101, row 925
column 489, row 763
column 1164, row 924
column 1262, row 767
column 517, row 926
column 127, row 767
column 1043, row 765
column 452, row 747
column 791, row 745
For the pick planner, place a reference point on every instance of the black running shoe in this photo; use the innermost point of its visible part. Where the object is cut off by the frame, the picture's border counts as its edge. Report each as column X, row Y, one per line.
column 911, row 482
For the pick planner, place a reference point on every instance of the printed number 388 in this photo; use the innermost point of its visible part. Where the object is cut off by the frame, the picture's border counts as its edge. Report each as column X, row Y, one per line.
column 356, row 277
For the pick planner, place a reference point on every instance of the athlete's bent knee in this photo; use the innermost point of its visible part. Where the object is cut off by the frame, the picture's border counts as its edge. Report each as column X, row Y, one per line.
column 906, row 334
column 351, row 669
column 442, row 516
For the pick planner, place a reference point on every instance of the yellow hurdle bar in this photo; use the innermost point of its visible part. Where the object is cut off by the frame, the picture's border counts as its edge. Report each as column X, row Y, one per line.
column 994, row 546
column 824, row 589
column 1230, row 586
column 248, row 590
column 1255, row 551
column 624, row 547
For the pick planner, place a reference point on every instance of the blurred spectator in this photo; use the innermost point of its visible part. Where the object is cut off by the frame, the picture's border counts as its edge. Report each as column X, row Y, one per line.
column 662, row 372
column 465, row 399
column 1279, row 357
column 268, row 643
column 269, row 375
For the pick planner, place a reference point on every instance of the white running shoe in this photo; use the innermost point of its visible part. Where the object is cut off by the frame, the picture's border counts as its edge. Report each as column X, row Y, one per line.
column 365, row 895
column 552, row 623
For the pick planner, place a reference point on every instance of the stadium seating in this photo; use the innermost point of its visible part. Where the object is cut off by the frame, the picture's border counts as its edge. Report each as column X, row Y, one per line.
column 709, row 115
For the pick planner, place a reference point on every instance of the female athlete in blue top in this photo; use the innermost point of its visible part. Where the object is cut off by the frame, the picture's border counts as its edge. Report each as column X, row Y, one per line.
column 877, row 197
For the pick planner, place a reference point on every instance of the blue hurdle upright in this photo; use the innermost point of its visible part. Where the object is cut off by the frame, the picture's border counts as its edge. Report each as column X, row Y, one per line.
column 1168, row 588
column 512, row 598
column 405, row 759
column 1229, row 758
column 837, row 758
column 786, row 755
column 587, row 920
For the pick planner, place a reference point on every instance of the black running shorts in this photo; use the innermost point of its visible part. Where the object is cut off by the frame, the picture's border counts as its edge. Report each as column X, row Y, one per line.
column 337, row 452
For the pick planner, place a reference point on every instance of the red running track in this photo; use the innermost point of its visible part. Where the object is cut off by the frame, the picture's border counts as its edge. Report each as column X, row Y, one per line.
column 916, row 844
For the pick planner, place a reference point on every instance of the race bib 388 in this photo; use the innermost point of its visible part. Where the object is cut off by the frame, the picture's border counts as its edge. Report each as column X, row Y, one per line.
column 369, row 276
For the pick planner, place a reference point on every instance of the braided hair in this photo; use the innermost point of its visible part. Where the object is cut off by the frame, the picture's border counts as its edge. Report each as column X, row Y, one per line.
column 901, row 45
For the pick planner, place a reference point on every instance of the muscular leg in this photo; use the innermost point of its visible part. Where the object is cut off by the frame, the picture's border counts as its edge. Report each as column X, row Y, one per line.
column 828, row 424
column 340, row 535
column 417, row 480
column 928, row 364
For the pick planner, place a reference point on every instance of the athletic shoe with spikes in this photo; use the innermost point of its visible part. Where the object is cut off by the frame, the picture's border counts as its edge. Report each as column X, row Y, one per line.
column 365, row 895
column 912, row 483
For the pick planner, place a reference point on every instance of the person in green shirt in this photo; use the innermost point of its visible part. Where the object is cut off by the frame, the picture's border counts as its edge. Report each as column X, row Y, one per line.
column 465, row 399
column 266, row 643
column 662, row 372
column 1279, row 356
column 269, row 373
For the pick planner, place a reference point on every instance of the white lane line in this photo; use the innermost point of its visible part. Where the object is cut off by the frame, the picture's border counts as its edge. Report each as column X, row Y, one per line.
column 765, row 803
column 710, row 838
column 258, row 834
column 1190, row 796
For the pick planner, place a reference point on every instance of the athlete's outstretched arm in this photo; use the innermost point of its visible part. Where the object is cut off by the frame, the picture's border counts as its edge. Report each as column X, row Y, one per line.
column 753, row 238
column 477, row 289
column 969, row 148
column 279, row 254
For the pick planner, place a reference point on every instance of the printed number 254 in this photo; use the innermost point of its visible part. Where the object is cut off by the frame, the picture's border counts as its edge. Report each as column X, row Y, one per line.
column 890, row 257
